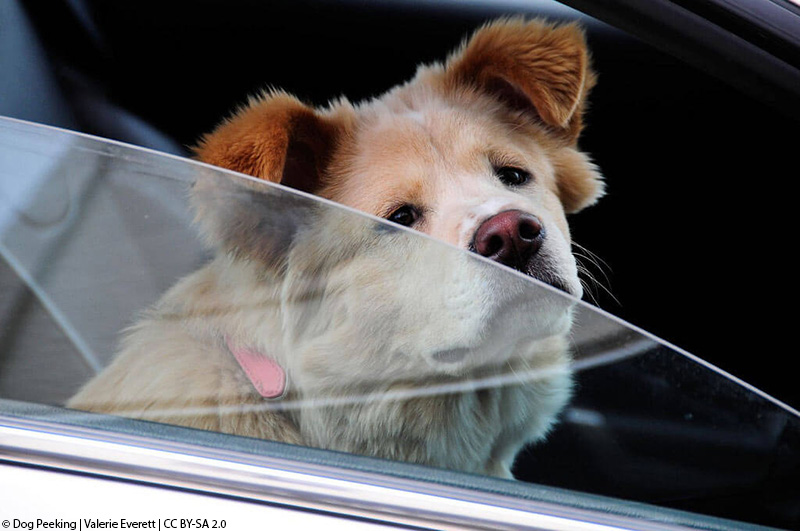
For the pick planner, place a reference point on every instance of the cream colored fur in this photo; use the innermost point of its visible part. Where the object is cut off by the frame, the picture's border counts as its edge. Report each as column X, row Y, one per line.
column 394, row 345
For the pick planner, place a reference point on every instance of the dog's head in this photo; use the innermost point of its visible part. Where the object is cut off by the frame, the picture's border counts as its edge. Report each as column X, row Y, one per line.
column 480, row 152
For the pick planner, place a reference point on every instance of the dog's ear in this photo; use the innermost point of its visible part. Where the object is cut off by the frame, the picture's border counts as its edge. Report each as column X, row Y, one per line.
column 529, row 65
column 276, row 138
column 579, row 181
column 247, row 219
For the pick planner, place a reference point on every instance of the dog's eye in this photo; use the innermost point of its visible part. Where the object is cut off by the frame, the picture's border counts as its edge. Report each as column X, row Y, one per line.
column 406, row 215
column 511, row 176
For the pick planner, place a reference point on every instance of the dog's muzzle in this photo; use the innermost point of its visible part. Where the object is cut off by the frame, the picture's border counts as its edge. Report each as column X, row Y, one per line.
column 514, row 238
column 511, row 238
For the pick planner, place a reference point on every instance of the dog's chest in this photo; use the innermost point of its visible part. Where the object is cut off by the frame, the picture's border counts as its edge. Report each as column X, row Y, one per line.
column 471, row 430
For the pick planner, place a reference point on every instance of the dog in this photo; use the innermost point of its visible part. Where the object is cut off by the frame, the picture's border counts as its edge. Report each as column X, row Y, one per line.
column 316, row 326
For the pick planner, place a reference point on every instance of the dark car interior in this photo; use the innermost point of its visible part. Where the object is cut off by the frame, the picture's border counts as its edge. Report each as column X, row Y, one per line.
column 692, row 240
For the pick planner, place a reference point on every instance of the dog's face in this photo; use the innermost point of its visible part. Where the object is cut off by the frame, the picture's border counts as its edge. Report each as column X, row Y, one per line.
column 466, row 173
column 479, row 152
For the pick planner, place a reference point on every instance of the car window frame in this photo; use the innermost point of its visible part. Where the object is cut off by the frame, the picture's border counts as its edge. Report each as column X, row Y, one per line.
column 761, row 58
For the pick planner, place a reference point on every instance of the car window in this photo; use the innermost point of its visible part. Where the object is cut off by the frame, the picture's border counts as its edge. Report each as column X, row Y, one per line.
column 156, row 301
column 94, row 233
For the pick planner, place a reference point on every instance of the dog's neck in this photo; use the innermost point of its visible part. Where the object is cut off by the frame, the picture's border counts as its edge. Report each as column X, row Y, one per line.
column 266, row 374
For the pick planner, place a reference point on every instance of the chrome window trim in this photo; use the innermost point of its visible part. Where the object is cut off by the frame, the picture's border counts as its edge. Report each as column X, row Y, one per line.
column 282, row 481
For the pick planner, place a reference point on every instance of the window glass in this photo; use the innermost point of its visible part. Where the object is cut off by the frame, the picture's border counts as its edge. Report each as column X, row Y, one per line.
column 147, row 286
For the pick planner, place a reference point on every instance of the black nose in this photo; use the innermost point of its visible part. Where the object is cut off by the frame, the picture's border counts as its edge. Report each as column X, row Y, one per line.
column 511, row 237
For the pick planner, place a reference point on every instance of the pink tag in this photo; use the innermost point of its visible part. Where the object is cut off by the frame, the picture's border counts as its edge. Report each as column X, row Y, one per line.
column 266, row 375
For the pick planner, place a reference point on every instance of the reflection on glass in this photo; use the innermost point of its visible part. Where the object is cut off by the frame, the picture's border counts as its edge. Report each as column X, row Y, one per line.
column 308, row 323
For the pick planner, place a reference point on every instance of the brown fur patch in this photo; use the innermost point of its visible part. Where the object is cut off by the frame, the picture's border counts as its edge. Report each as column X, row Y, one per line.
column 547, row 64
column 276, row 138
